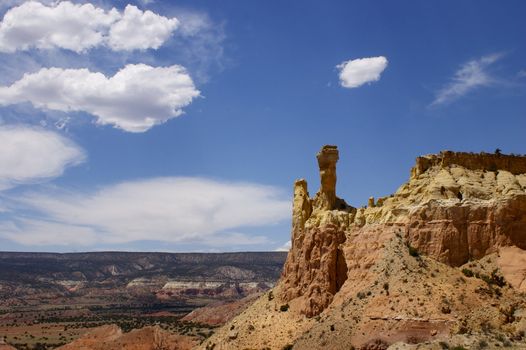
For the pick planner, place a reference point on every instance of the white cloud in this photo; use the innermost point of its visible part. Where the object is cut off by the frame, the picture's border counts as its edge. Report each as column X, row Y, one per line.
column 285, row 247
column 134, row 99
column 172, row 209
column 140, row 30
column 80, row 27
column 40, row 233
column 199, row 43
column 471, row 75
column 355, row 73
column 31, row 155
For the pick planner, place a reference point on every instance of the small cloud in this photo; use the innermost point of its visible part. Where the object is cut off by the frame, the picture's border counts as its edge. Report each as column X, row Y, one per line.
column 522, row 73
column 355, row 73
column 285, row 247
column 46, row 26
column 135, row 99
column 471, row 75
column 32, row 155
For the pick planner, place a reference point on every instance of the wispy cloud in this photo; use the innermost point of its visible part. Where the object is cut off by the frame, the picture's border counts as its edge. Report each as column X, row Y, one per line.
column 171, row 209
column 355, row 73
column 199, row 43
column 471, row 75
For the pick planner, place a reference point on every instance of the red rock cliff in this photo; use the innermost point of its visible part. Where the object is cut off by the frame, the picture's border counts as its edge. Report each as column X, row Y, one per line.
column 455, row 207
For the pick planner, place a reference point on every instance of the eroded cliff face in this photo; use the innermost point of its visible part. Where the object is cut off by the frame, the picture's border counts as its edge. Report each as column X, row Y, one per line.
column 315, row 269
column 394, row 271
column 454, row 211
column 456, row 207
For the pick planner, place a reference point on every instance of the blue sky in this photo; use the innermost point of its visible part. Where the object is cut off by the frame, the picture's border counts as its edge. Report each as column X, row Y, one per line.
column 181, row 126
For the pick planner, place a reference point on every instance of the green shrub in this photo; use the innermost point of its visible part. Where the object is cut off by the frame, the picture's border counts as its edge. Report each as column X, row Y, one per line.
column 468, row 273
column 496, row 279
column 413, row 252
column 444, row 345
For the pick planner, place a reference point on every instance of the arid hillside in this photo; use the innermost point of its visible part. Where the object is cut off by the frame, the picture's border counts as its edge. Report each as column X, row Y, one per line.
column 438, row 264
column 47, row 300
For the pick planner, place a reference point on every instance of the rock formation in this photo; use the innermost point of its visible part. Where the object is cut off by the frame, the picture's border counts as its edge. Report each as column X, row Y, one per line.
column 327, row 158
column 315, row 267
column 438, row 259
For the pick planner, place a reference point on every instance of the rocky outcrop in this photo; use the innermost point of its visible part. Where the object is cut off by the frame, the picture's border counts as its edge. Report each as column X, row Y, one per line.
column 440, row 258
column 514, row 164
column 326, row 197
column 456, row 207
column 456, row 234
column 315, row 269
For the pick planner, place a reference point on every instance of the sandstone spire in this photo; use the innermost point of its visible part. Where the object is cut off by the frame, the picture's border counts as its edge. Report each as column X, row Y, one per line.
column 316, row 269
column 327, row 158
column 301, row 205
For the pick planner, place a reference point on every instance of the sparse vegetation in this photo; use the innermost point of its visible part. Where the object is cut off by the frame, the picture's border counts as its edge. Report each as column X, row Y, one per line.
column 509, row 313
column 445, row 309
column 467, row 272
column 483, row 344
column 444, row 345
column 413, row 251
column 284, row 308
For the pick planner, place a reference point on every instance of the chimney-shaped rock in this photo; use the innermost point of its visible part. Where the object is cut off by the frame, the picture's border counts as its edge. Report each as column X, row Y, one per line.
column 327, row 158
column 301, row 206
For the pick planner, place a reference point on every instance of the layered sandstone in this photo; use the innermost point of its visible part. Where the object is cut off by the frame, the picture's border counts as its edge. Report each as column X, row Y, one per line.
column 315, row 267
column 455, row 207
column 388, row 272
